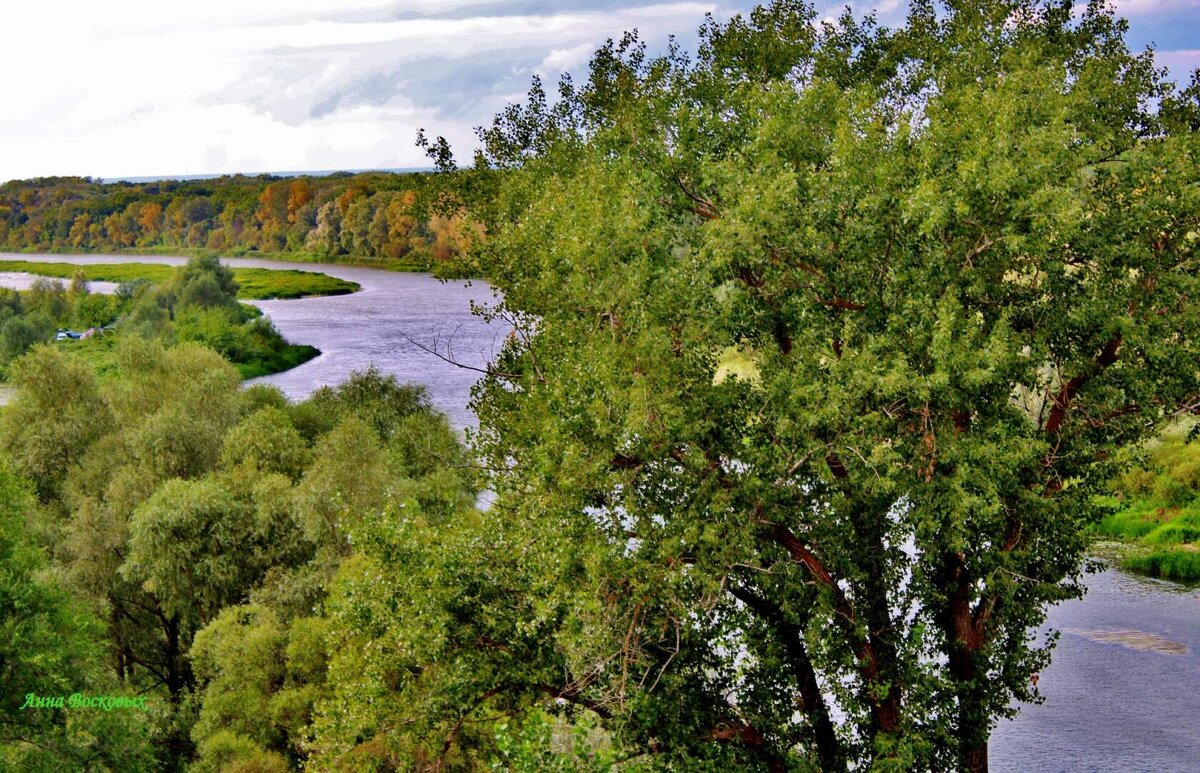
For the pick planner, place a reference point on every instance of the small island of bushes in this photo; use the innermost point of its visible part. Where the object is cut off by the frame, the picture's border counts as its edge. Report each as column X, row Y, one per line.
column 197, row 302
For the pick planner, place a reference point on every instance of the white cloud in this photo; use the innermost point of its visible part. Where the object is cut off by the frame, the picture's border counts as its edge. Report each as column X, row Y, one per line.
column 1137, row 8
column 1181, row 63
column 566, row 59
column 143, row 87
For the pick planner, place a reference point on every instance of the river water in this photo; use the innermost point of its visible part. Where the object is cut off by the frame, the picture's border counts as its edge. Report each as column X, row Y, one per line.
column 1132, row 706
column 1123, row 690
column 377, row 325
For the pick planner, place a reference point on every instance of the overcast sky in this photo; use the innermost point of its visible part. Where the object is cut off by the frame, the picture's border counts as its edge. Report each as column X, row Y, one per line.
column 154, row 87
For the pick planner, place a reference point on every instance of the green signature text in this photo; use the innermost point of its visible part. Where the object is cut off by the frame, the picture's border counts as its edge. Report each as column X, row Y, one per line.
column 82, row 701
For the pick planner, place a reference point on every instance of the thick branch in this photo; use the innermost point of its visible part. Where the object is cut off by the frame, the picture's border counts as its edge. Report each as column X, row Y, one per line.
column 837, row 467
column 802, row 555
column 1062, row 401
column 454, row 731
column 1189, row 405
column 623, row 462
column 704, row 213
column 886, row 707
column 737, row 731
column 791, row 638
column 703, row 207
column 842, row 303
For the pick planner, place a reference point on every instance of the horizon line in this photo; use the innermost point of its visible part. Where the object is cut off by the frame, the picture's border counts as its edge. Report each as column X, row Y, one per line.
column 135, row 179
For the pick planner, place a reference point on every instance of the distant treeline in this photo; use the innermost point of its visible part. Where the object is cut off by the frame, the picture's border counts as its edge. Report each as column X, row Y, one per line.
column 375, row 216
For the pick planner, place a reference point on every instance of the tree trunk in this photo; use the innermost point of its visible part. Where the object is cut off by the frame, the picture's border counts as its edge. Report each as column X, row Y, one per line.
column 975, row 758
column 964, row 638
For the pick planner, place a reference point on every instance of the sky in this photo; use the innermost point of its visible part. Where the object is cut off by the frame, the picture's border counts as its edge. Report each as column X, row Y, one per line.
column 125, row 88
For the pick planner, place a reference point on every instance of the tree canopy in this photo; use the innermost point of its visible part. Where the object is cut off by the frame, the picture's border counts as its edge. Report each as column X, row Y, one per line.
column 197, row 529
column 372, row 217
column 826, row 339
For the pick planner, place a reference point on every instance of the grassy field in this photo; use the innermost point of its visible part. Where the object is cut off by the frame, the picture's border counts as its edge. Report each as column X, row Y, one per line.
column 233, row 255
column 100, row 353
column 1157, row 510
column 253, row 283
column 290, row 357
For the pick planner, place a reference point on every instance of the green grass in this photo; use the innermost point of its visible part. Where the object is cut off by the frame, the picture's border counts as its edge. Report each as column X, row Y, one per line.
column 100, row 353
column 1159, row 515
column 253, row 283
column 288, row 358
column 1182, row 529
column 99, row 272
column 1170, row 563
column 363, row 261
column 1134, row 522
column 265, row 283
column 1162, row 540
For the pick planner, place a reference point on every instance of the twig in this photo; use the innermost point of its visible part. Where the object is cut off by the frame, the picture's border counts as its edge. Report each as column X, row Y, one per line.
column 488, row 371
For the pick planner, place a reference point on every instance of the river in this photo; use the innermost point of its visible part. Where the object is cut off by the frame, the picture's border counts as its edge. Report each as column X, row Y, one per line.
column 1123, row 690
column 1132, row 706
column 376, row 325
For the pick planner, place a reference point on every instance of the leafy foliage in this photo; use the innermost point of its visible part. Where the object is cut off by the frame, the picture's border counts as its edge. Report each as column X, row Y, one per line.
column 195, row 302
column 826, row 340
column 50, row 645
column 209, row 524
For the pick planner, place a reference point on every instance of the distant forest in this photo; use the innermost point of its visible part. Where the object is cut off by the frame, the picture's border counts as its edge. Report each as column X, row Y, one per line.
column 375, row 217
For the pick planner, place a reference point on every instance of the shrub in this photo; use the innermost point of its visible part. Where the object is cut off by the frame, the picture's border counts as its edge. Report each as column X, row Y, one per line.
column 1172, row 492
column 1177, row 564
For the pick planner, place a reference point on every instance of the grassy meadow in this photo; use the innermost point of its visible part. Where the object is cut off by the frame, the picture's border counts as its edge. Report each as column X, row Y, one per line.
column 254, row 284
column 1157, row 509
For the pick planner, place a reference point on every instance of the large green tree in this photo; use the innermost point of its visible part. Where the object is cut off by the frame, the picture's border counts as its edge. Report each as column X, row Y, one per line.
column 825, row 338
column 50, row 646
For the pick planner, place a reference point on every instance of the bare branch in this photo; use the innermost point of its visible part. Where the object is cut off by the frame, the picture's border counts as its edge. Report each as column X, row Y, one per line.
column 488, row 371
